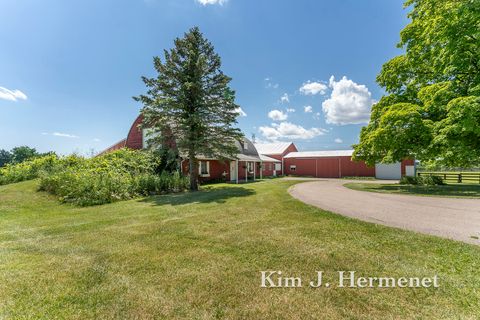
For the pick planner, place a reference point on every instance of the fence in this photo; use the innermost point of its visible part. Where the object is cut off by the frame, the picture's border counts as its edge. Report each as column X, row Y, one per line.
column 454, row 177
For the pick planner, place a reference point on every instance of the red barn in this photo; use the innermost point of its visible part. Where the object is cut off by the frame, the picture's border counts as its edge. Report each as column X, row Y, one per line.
column 273, row 159
column 339, row 163
column 247, row 165
column 276, row 151
column 326, row 164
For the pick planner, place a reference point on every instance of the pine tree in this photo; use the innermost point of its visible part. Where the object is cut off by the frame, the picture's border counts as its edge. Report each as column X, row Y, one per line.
column 190, row 98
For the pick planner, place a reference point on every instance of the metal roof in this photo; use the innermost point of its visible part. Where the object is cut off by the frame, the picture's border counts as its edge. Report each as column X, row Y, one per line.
column 268, row 159
column 318, row 154
column 244, row 157
column 272, row 148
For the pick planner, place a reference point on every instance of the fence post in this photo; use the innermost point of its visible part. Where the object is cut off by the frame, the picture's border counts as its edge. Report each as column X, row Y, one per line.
column 459, row 178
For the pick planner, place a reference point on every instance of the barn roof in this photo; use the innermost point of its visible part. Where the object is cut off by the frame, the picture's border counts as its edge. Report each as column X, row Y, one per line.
column 272, row 148
column 324, row 153
column 268, row 159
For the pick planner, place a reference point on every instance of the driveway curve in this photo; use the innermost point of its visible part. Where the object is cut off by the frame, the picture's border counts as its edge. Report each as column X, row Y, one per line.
column 451, row 218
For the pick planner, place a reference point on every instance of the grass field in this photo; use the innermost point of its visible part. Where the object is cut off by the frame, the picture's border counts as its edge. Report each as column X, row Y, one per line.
column 449, row 190
column 199, row 256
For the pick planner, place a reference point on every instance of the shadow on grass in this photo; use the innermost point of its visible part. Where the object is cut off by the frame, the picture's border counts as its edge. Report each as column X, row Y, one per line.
column 208, row 194
column 446, row 190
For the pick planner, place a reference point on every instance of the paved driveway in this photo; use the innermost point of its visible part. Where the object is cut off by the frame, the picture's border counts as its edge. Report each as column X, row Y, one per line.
column 452, row 218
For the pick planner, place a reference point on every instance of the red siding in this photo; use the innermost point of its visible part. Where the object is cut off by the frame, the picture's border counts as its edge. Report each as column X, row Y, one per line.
column 407, row 162
column 116, row 146
column 135, row 137
column 328, row 167
column 242, row 171
column 216, row 170
column 267, row 170
column 351, row 168
column 291, row 148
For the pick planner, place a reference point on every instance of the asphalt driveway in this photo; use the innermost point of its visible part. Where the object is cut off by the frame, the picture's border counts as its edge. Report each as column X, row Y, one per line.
column 451, row 218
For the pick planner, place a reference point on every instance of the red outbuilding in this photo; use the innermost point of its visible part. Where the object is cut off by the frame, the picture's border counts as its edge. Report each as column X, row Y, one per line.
column 326, row 164
column 255, row 161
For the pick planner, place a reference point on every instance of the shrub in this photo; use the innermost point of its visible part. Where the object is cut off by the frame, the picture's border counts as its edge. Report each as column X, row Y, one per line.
column 422, row 180
column 119, row 175
column 409, row 180
column 431, row 180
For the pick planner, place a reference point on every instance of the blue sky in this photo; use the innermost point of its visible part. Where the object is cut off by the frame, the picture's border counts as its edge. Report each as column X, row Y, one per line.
column 68, row 69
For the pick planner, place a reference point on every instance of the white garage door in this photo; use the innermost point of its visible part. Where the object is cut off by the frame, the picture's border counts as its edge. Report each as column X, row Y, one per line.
column 388, row 171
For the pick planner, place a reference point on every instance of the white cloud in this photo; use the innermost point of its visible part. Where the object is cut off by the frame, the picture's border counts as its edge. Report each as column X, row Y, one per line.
column 207, row 2
column 60, row 134
column 270, row 84
column 284, row 98
column 290, row 110
column 338, row 140
column 290, row 131
column 313, row 88
column 96, row 140
column 316, row 116
column 240, row 112
column 349, row 102
column 12, row 95
column 308, row 109
column 277, row 115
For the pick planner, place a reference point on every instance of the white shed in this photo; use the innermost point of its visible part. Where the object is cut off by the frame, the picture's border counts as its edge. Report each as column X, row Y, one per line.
column 391, row 171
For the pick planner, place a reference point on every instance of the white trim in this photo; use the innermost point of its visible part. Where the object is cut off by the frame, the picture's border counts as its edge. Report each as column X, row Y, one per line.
column 200, row 169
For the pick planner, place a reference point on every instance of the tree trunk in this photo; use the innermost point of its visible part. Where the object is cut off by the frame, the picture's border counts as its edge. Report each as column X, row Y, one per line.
column 193, row 170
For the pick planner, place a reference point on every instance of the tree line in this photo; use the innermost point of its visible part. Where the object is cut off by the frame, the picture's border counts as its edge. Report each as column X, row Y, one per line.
column 19, row 155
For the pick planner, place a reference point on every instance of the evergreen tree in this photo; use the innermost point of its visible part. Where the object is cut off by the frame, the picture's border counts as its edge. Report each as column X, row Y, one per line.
column 191, row 101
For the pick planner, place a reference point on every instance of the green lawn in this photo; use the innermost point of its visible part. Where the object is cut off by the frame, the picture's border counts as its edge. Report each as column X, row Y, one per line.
column 449, row 190
column 199, row 256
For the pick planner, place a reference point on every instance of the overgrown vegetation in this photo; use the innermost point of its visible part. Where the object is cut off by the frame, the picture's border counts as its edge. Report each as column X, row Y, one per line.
column 31, row 169
column 120, row 175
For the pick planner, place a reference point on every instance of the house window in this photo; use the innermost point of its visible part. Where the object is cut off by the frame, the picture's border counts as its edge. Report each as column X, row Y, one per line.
column 278, row 167
column 250, row 166
column 293, row 168
column 204, row 168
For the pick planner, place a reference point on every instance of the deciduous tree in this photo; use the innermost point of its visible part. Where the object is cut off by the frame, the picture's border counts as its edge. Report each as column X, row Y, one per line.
column 432, row 107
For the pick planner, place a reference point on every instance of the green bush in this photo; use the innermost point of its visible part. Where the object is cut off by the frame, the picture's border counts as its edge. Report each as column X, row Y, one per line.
column 422, row 180
column 409, row 180
column 431, row 180
column 120, row 175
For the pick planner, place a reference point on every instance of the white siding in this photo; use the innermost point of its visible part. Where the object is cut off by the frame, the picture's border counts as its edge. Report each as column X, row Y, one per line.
column 410, row 171
column 388, row 171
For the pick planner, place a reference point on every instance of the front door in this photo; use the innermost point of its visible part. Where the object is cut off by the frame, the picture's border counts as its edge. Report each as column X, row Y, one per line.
column 233, row 170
